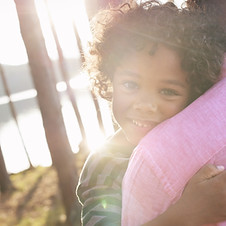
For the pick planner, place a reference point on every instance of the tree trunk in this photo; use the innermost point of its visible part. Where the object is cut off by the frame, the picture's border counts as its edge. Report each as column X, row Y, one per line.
column 42, row 73
column 64, row 72
column 5, row 182
column 94, row 98
column 13, row 111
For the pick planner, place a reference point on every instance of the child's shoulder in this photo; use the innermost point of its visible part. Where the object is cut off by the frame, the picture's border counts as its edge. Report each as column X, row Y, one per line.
column 113, row 155
column 115, row 146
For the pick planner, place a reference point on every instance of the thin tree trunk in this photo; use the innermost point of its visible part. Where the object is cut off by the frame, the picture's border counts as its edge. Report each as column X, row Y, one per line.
column 42, row 73
column 12, row 109
column 5, row 182
column 65, row 75
column 94, row 98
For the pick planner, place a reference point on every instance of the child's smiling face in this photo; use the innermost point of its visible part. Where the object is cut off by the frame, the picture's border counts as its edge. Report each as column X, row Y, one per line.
column 148, row 89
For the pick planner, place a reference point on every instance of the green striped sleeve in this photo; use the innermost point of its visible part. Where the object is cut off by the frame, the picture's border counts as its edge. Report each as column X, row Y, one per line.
column 99, row 189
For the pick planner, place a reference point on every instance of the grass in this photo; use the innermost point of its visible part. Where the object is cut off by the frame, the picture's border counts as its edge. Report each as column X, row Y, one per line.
column 35, row 201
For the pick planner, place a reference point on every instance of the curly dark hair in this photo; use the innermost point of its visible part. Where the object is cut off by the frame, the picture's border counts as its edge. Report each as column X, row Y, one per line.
column 208, row 5
column 214, row 8
column 198, row 40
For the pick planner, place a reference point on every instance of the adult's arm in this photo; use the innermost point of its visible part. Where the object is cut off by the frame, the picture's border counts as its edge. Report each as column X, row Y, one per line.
column 172, row 153
column 203, row 200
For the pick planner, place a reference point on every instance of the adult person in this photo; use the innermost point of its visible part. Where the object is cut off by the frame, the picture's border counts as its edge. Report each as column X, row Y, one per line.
column 168, row 156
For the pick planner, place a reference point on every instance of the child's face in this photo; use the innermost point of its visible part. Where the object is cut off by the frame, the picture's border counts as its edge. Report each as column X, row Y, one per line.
column 148, row 90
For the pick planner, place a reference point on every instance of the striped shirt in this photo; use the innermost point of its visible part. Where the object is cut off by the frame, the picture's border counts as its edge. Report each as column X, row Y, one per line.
column 99, row 188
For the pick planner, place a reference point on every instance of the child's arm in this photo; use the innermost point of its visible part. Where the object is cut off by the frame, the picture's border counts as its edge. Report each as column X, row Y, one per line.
column 203, row 201
column 99, row 190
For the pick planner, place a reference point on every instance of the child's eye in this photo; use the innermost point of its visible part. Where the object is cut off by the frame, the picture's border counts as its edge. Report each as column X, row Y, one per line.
column 130, row 85
column 169, row 92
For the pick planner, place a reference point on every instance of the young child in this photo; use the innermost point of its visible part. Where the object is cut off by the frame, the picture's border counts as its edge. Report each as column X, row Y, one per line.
column 151, row 61
column 170, row 154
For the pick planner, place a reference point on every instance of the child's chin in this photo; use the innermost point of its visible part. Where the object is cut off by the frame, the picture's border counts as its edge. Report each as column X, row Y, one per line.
column 134, row 140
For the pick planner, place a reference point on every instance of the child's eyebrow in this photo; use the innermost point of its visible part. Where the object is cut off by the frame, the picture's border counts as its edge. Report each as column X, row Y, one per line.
column 129, row 73
column 174, row 82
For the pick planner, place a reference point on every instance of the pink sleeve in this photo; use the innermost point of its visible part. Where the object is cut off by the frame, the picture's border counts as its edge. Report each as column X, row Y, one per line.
column 224, row 68
column 171, row 154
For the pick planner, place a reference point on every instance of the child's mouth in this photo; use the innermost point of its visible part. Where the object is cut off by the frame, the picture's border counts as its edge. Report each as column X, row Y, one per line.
column 144, row 123
column 139, row 124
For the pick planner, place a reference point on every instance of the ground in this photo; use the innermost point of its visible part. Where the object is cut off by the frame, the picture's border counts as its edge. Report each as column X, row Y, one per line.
column 36, row 200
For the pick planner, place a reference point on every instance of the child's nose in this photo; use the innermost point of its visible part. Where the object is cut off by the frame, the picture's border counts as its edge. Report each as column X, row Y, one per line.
column 146, row 105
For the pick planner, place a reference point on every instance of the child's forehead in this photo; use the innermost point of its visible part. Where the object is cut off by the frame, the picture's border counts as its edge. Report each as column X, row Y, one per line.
column 151, row 49
column 152, row 56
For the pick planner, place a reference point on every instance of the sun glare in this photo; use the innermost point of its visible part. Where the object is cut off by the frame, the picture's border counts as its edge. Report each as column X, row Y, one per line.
column 11, row 44
column 65, row 15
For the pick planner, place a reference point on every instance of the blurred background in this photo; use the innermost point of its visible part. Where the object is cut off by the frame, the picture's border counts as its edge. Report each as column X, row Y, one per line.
column 49, row 118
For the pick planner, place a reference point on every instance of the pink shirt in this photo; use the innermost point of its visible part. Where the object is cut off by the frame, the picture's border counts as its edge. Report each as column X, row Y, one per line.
column 172, row 153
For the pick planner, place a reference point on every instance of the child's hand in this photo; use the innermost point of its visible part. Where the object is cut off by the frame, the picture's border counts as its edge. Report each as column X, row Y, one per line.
column 204, row 197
